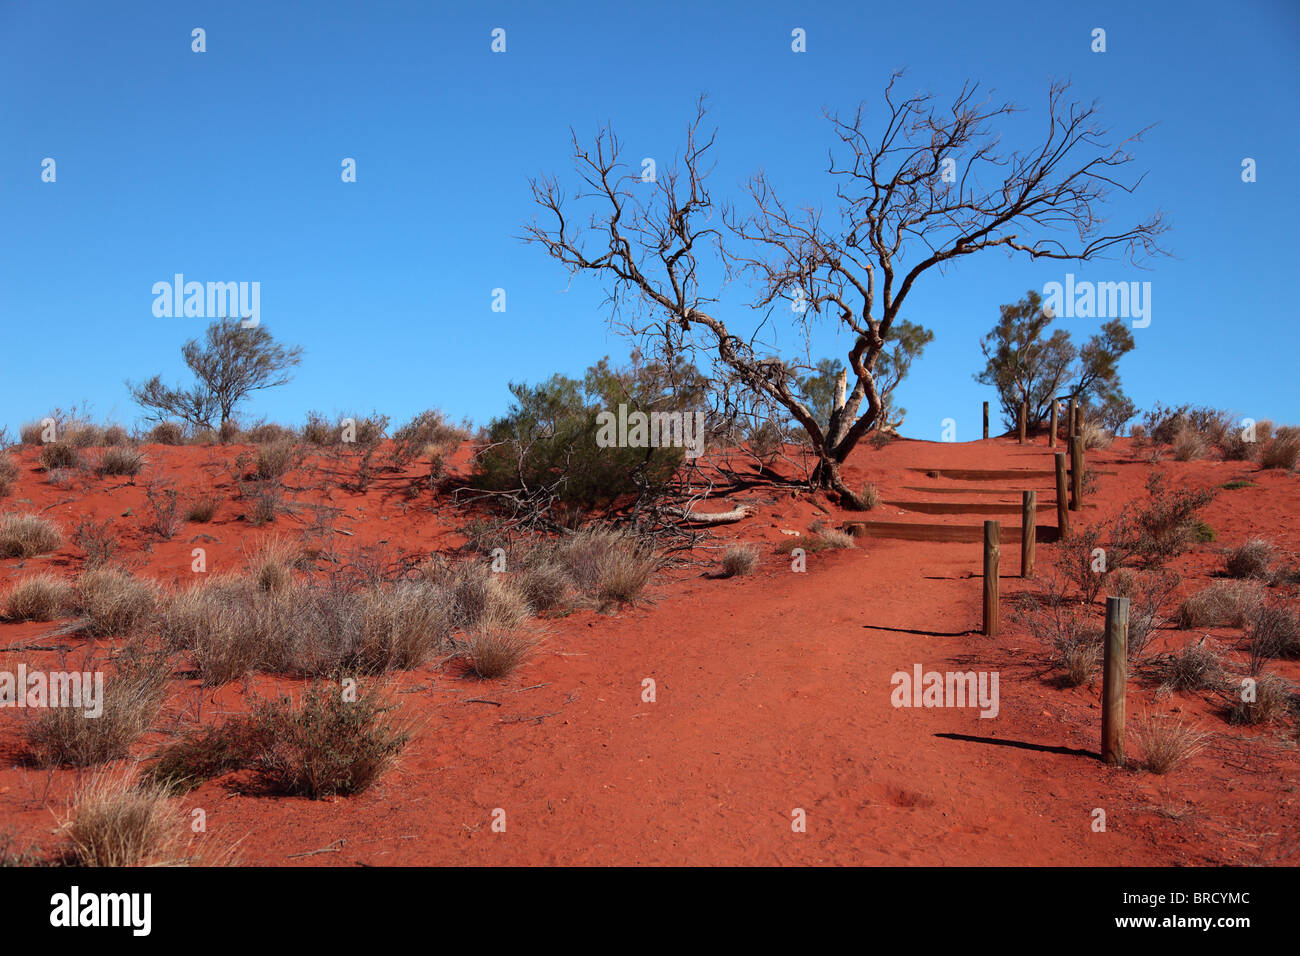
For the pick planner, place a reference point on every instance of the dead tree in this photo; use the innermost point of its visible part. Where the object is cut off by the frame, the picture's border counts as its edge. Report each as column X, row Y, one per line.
column 928, row 188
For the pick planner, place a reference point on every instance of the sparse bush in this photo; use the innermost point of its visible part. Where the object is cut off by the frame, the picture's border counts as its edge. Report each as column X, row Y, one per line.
column 164, row 510
column 96, row 540
column 492, row 653
column 317, row 430
column 272, row 563
column 195, row 758
column 277, row 459
column 8, row 474
column 1162, row 528
column 166, row 433
column 1280, row 452
column 59, row 455
column 268, row 433
column 116, row 824
column 540, row 578
column 1251, row 560
column 202, row 509
column 1168, row 744
column 483, row 599
column 818, row 539
column 119, row 460
column 40, row 597
column 131, row 700
column 404, row 626
column 325, row 745
column 1267, row 700
column 115, row 435
column 1188, row 445
column 225, row 623
column 114, row 602
column 1222, row 604
column 1275, row 632
column 428, row 433
column 1095, row 436
column 32, row 433
column 608, row 566
column 265, row 501
column 1197, row 666
column 27, row 535
column 869, row 495
column 739, row 560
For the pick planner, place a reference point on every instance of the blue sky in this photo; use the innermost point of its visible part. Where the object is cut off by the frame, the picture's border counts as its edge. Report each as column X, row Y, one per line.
column 225, row 165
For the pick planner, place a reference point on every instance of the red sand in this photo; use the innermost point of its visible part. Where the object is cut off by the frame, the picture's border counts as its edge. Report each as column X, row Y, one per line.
column 773, row 693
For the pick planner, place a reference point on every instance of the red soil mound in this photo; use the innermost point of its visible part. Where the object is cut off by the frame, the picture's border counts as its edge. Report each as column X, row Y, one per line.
column 772, row 693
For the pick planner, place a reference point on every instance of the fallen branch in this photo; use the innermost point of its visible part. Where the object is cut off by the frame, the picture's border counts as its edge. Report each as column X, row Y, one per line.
column 720, row 517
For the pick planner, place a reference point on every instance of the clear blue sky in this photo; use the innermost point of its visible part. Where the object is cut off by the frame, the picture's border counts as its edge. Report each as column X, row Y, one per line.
column 225, row 166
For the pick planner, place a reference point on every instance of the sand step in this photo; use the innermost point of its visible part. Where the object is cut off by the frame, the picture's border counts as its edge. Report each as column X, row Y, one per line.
column 996, row 474
column 914, row 531
column 967, row 490
column 964, row 507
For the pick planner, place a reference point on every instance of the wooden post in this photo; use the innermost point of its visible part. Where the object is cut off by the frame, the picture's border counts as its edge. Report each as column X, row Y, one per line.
column 1024, row 413
column 986, row 419
column 1076, row 473
column 1028, row 528
column 1114, row 681
column 1051, row 438
column 1074, row 418
column 1062, row 515
column 992, row 541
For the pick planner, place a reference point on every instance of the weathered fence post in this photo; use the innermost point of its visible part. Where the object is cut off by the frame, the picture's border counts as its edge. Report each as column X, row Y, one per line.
column 1076, row 473
column 1024, row 414
column 992, row 541
column 1062, row 514
column 1114, row 681
column 1051, row 437
column 986, row 419
column 1073, row 423
column 1028, row 529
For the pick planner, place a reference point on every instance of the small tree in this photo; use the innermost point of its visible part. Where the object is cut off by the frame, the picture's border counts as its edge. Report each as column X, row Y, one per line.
column 920, row 190
column 823, row 392
column 231, row 362
column 1026, row 365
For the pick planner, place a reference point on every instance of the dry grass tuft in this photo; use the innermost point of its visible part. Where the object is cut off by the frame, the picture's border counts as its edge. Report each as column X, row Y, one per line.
column 1198, row 666
column 40, row 597
column 1250, row 560
column 1281, row 452
column 1168, row 744
column 131, row 700
column 27, row 535
column 272, row 562
column 114, row 602
column 1275, row 632
column 202, row 509
column 59, row 455
column 1222, row 604
column 8, row 474
column 491, row 653
column 739, row 560
column 166, row 433
column 116, row 824
column 119, row 460
column 610, row 567
column 869, row 495
column 1189, row 445
column 1263, row 699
